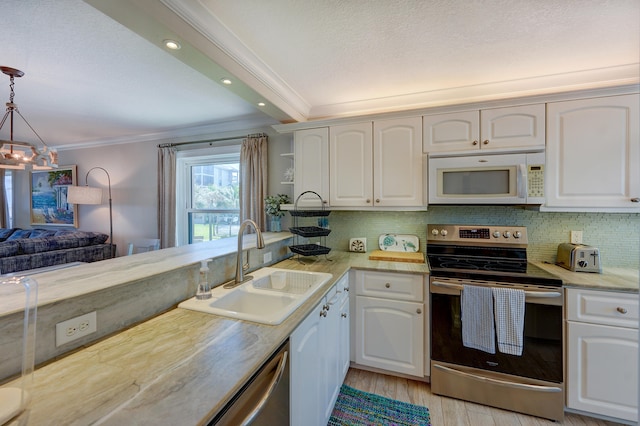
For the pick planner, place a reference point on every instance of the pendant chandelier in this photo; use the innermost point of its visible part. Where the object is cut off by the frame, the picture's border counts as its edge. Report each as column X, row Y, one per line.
column 17, row 154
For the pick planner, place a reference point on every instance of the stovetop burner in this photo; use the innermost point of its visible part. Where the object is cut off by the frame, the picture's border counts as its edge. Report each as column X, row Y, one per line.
column 484, row 253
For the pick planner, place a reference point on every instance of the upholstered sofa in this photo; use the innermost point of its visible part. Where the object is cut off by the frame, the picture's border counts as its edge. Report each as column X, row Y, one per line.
column 23, row 249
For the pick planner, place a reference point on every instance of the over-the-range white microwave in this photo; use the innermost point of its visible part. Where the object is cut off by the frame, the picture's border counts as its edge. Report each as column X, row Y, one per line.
column 487, row 179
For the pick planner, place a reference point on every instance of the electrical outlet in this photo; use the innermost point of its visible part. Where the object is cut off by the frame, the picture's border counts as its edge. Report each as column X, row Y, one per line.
column 576, row 237
column 75, row 328
column 266, row 258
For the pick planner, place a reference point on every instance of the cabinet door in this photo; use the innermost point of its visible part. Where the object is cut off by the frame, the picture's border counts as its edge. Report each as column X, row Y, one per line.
column 458, row 131
column 331, row 355
column 311, row 172
column 351, row 165
column 344, row 336
column 397, row 163
column 306, row 372
column 602, row 370
column 513, row 127
column 593, row 154
column 390, row 335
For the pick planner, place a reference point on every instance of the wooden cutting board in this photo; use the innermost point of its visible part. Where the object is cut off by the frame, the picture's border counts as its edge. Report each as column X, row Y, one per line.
column 397, row 256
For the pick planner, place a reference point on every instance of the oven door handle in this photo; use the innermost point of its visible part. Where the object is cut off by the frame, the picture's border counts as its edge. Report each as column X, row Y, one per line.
column 459, row 287
column 514, row 385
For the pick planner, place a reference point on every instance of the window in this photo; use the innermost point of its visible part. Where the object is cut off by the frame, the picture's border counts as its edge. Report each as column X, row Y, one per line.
column 208, row 187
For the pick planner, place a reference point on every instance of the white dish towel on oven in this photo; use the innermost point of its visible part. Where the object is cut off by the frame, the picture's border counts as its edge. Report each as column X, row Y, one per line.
column 509, row 311
column 478, row 331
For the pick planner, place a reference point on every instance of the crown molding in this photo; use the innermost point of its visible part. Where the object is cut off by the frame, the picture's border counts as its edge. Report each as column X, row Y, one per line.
column 180, row 135
column 239, row 59
column 442, row 108
column 510, row 89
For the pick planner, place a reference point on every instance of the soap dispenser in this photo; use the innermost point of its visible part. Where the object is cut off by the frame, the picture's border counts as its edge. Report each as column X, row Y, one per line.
column 204, row 289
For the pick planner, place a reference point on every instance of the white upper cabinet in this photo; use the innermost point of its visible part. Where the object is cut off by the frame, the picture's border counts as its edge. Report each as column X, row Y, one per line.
column 377, row 165
column 513, row 127
column 593, row 154
column 311, row 171
column 351, row 165
column 497, row 128
column 397, row 162
column 457, row 131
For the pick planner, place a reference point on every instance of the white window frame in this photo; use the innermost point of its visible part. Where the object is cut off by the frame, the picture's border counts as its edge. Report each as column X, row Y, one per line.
column 184, row 161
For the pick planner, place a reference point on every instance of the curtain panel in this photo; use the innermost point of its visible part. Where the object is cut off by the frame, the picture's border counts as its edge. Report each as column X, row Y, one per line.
column 253, row 179
column 167, row 196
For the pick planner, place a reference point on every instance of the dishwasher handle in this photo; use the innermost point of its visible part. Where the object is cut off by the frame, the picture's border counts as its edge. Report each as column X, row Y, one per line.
column 282, row 364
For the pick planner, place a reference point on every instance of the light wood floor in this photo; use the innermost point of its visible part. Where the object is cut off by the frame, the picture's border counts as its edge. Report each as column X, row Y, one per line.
column 449, row 411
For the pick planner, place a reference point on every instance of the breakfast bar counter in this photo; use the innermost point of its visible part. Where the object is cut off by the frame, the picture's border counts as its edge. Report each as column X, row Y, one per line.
column 180, row 367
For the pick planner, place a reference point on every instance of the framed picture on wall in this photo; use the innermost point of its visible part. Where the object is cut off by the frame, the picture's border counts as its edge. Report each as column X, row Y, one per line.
column 49, row 190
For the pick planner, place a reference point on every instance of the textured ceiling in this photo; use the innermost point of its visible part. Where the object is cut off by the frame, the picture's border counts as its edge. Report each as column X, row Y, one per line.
column 357, row 55
column 89, row 79
column 93, row 79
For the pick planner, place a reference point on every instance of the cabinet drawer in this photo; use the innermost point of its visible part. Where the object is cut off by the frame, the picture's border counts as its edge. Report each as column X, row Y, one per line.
column 602, row 307
column 389, row 285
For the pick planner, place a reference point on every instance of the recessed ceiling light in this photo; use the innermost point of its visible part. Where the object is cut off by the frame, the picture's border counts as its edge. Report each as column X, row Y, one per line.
column 261, row 104
column 172, row 44
column 226, row 81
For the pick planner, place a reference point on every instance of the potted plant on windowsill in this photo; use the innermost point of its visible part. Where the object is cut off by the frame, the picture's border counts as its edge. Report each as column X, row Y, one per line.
column 272, row 208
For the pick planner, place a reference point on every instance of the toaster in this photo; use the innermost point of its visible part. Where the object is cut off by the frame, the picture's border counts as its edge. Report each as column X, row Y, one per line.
column 579, row 258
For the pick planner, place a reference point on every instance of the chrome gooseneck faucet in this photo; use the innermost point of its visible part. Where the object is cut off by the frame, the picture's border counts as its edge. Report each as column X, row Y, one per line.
column 240, row 266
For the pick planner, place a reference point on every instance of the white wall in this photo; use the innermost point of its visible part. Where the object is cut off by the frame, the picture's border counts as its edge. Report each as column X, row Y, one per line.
column 133, row 171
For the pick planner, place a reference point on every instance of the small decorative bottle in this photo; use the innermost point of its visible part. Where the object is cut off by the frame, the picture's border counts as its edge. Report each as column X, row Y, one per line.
column 204, row 289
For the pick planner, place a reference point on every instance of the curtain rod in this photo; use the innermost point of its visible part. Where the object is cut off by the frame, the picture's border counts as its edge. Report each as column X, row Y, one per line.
column 210, row 141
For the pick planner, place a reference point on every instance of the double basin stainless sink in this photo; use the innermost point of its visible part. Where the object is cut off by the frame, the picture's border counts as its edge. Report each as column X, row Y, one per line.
column 269, row 298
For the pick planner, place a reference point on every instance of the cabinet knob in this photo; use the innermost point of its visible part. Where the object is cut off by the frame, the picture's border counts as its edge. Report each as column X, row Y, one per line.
column 474, row 143
column 323, row 313
column 418, row 311
column 326, row 307
column 621, row 310
column 368, row 201
column 346, row 289
column 387, row 285
column 377, row 200
column 485, row 142
column 635, row 200
column 343, row 315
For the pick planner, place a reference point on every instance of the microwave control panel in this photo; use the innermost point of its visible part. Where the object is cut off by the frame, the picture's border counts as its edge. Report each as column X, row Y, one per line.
column 535, row 176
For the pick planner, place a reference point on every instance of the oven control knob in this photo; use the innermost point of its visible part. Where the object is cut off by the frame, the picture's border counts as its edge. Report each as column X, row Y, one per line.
column 444, row 232
column 517, row 234
column 496, row 234
column 506, row 234
column 435, row 232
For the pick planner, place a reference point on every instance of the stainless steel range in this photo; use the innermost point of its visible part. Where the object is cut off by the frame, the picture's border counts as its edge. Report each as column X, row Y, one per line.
column 523, row 373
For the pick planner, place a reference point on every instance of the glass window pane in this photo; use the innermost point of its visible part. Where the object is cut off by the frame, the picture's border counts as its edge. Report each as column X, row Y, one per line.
column 215, row 186
column 212, row 226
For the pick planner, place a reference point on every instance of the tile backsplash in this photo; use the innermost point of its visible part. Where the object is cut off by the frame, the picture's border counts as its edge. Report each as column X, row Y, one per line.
column 617, row 235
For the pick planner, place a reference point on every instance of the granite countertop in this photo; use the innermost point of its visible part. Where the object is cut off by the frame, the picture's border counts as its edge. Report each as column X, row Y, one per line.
column 612, row 279
column 180, row 367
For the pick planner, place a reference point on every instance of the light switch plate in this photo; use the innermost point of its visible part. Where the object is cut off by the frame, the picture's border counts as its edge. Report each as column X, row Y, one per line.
column 358, row 245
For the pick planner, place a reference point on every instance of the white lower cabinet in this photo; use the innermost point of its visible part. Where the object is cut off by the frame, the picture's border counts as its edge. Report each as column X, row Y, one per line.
column 391, row 322
column 602, row 353
column 317, row 358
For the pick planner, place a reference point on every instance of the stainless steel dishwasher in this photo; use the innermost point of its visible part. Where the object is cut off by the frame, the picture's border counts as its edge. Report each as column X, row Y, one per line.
column 264, row 400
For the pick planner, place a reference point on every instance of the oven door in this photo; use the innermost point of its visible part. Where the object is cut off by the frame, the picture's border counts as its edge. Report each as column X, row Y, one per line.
column 542, row 355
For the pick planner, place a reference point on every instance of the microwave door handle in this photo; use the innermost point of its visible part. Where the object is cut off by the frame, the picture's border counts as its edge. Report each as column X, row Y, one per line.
column 522, row 181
